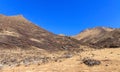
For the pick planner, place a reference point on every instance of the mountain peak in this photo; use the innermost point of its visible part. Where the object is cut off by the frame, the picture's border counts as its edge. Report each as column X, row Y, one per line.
column 15, row 17
column 105, row 28
column 20, row 15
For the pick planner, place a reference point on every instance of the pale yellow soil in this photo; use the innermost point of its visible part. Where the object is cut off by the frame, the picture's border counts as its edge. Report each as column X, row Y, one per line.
column 110, row 62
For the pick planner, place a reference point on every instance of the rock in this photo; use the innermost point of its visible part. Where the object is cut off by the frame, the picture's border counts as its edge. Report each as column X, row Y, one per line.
column 91, row 62
column 67, row 55
column 106, row 65
column 64, row 48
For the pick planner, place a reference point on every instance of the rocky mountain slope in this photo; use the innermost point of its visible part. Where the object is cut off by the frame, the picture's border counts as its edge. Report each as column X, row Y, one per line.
column 17, row 32
column 100, row 37
column 25, row 47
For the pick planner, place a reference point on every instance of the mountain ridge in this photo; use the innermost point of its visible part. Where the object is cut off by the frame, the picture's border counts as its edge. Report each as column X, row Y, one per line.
column 17, row 31
column 100, row 37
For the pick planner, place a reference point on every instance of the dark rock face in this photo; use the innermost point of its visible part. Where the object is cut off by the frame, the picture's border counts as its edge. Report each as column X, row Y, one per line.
column 16, row 31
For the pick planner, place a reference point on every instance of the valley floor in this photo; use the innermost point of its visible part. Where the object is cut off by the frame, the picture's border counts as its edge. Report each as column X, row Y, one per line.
column 110, row 62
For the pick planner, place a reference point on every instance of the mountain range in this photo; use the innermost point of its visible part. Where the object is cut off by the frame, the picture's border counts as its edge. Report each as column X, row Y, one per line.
column 26, row 47
column 18, row 32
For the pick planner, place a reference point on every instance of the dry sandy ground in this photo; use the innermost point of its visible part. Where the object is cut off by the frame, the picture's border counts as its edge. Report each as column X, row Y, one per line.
column 110, row 62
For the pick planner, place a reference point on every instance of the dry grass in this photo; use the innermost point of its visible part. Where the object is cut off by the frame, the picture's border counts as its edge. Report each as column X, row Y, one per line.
column 110, row 60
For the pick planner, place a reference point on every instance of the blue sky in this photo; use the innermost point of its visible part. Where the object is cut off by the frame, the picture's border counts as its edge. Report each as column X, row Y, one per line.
column 67, row 17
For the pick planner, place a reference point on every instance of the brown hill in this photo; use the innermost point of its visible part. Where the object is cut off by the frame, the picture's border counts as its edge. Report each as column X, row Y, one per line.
column 100, row 37
column 17, row 32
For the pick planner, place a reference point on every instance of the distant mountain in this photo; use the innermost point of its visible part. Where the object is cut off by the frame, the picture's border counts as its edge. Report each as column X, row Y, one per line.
column 100, row 37
column 17, row 32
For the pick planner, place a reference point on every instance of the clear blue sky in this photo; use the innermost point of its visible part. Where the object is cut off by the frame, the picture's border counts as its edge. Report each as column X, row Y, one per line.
column 67, row 17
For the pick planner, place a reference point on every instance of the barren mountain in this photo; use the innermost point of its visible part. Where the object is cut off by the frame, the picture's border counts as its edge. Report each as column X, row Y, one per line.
column 24, row 43
column 100, row 37
column 25, row 47
column 17, row 32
